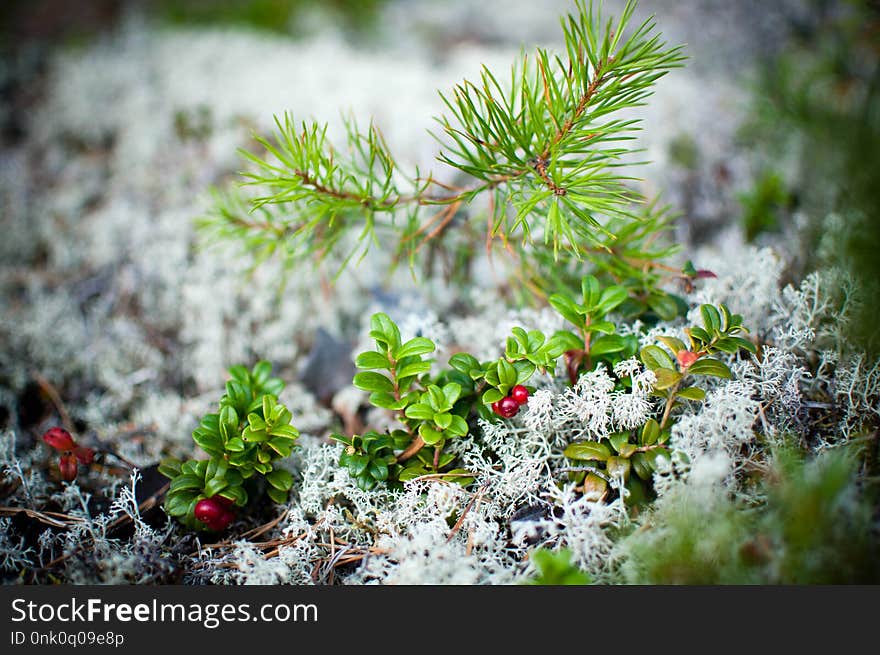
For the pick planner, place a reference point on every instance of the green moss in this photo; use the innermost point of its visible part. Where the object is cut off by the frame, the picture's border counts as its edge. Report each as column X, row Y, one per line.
column 815, row 527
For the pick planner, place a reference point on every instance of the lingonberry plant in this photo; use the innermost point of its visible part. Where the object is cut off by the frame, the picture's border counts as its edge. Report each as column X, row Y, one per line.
column 670, row 378
column 244, row 440
column 71, row 453
column 543, row 154
column 435, row 406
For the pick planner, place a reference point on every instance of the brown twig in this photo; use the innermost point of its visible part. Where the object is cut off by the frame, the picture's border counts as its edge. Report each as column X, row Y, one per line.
column 53, row 519
column 457, row 527
column 412, row 449
column 47, row 388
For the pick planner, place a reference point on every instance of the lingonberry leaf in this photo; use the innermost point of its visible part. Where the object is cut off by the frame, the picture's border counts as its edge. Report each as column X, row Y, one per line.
column 587, row 451
column 649, row 432
column 280, row 479
column 656, row 358
column 674, row 344
column 709, row 366
column 610, row 343
column 373, row 360
column 663, row 305
column 567, row 308
column 666, row 378
column 420, row 411
column 618, row 467
column 414, row 369
column 691, row 393
column 711, row 318
column 370, row 381
column 611, row 298
column 277, row 495
column 464, row 363
column 415, row 346
column 590, row 293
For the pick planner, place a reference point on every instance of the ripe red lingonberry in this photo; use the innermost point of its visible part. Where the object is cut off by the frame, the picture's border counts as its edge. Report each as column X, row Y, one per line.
column 67, row 466
column 520, row 394
column 214, row 512
column 495, row 408
column 508, row 407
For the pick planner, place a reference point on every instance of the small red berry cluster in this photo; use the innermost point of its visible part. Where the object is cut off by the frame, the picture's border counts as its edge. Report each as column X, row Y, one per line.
column 214, row 512
column 71, row 453
column 509, row 406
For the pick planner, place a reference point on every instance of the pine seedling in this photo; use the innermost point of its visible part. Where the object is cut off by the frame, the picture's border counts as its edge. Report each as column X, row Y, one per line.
column 543, row 148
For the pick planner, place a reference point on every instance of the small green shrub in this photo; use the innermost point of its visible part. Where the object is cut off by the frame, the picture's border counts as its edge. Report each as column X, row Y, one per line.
column 244, row 440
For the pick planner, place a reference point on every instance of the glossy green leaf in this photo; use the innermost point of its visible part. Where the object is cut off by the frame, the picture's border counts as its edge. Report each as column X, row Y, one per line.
column 415, row 346
column 452, row 391
column 618, row 467
column 649, row 433
column 587, row 450
column 674, row 344
column 642, row 466
column 711, row 318
column 186, row 482
column 611, row 343
column 605, row 327
column 384, row 330
column 590, row 292
column 464, row 363
column 170, row 468
column 566, row 308
column 370, row 381
column 378, row 470
column 372, row 360
column 656, row 358
column 458, row 426
column 691, row 393
column 284, row 431
column 611, row 298
column 666, row 378
column 617, row 439
column 280, row 479
column 664, row 306
column 420, row 411
column 429, row 434
column 709, row 366
column 215, row 486
column 278, row 495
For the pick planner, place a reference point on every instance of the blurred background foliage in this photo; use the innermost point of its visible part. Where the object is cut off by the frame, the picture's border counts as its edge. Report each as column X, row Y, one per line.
column 817, row 116
column 26, row 21
column 814, row 527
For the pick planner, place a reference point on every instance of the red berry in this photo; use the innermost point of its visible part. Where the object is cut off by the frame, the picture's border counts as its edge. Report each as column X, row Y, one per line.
column 520, row 394
column 508, row 407
column 223, row 500
column 84, row 455
column 495, row 408
column 208, row 509
column 59, row 439
column 221, row 521
column 213, row 513
column 686, row 358
column 67, row 465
